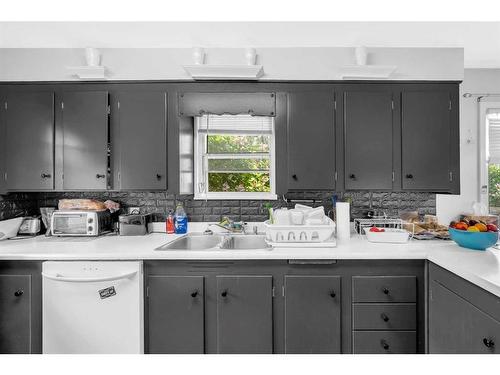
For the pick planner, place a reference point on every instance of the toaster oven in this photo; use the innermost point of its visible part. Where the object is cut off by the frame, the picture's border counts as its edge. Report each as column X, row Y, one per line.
column 80, row 223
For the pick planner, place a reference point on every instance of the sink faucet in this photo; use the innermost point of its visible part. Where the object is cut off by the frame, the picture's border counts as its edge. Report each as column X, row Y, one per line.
column 230, row 225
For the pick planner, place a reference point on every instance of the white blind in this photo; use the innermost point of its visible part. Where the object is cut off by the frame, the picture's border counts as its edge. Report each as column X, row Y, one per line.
column 493, row 120
column 235, row 124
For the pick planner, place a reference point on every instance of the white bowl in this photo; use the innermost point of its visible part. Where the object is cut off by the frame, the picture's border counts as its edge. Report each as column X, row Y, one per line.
column 9, row 228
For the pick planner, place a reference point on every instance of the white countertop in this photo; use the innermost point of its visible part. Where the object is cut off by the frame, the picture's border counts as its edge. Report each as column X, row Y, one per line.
column 479, row 267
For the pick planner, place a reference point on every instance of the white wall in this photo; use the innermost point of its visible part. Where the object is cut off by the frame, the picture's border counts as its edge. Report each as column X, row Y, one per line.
column 311, row 63
column 475, row 81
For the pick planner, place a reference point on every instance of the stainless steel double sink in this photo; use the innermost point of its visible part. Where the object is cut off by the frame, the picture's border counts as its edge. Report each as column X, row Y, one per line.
column 217, row 242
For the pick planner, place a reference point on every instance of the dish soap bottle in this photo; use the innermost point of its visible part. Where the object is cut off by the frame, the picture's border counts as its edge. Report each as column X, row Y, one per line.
column 170, row 222
column 181, row 220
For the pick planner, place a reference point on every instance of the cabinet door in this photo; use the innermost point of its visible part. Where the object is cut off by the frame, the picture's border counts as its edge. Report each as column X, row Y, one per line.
column 312, row 314
column 457, row 326
column 311, row 140
column 244, row 314
column 176, row 314
column 426, row 140
column 85, row 140
column 29, row 144
column 368, row 140
column 142, row 140
column 15, row 314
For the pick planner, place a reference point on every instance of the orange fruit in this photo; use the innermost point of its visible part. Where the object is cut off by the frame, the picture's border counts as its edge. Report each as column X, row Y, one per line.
column 473, row 229
column 482, row 227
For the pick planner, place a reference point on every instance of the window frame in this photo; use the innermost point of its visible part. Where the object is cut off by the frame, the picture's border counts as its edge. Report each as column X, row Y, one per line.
column 484, row 105
column 201, row 171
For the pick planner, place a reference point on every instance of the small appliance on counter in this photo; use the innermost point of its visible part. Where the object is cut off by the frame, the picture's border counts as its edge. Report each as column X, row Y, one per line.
column 30, row 226
column 133, row 224
column 80, row 223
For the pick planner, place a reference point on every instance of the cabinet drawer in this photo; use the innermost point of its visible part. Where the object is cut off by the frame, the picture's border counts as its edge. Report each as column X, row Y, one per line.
column 384, row 289
column 385, row 316
column 384, row 342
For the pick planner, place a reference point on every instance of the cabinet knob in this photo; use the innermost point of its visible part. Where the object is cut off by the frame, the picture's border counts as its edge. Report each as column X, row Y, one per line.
column 333, row 294
column 489, row 343
column 384, row 344
column 384, row 317
column 46, row 175
column 385, row 291
column 100, row 175
column 295, row 177
column 19, row 293
column 158, row 177
column 194, row 294
column 409, row 175
column 352, row 176
column 224, row 293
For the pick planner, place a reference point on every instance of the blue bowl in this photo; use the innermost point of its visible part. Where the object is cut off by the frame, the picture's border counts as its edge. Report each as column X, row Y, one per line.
column 473, row 240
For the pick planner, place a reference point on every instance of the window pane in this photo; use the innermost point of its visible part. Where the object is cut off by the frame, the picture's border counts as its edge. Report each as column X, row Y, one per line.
column 224, row 165
column 494, row 188
column 235, row 144
column 239, row 182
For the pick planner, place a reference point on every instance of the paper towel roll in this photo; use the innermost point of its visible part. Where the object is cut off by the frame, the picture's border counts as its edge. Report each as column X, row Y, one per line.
column 343, row 220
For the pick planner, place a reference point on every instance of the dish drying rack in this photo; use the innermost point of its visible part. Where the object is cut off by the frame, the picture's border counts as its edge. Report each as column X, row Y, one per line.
column 276, row 233
column 393, row 224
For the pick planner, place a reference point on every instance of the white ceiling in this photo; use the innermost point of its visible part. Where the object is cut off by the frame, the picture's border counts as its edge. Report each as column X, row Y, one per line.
column 480, row 40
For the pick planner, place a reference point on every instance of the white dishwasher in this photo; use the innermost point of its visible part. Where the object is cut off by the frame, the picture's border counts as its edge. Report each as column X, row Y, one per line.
column 93, row 307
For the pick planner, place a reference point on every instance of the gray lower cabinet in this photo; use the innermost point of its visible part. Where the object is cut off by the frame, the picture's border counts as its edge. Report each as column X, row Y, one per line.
column 85, row 140
column 139, row 140
column 462, row 317
column 384, row 342
column 311, row 140
column 280, row 306
column 176, row 311
column 426, row 135
column 20, row 307
column 312, row 314
column 245, row 314
column 368, row 139
column 29, row 140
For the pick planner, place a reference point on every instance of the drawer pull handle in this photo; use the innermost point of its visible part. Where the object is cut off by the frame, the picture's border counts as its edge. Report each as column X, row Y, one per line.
column 333, row 294
column 100, row 175
column 224, row 294
column 295, row 177
column 384, row 317
column 194, row 294
column 46, row 175
column 385, row 291
column 19, row 293
column 384, row 344
column 489, row 343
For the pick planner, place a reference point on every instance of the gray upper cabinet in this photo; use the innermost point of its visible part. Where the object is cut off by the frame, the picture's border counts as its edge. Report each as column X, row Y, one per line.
column 176, row 314
column 426, row 134
column 368, row 139
column 312, row 314
column 85, row 140
column 244, row 314
column 29, row 141
column 15, row 314
column 311, row 140
column 139, row 140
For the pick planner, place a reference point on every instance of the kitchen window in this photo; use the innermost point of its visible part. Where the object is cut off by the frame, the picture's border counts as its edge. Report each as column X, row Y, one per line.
column 234, row 157
column 490, row 155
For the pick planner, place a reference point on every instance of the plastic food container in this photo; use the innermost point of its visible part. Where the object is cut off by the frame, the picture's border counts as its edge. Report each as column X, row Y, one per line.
column 473, row 240
column 390, row 235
